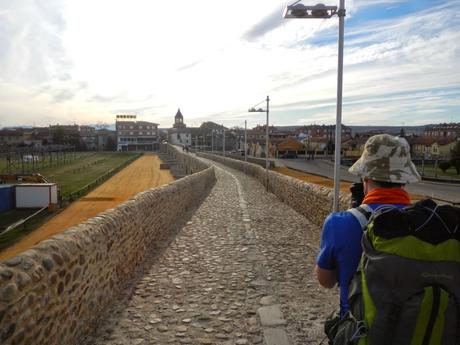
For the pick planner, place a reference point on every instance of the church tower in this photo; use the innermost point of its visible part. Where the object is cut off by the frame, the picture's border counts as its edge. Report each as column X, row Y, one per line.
column 179, row 120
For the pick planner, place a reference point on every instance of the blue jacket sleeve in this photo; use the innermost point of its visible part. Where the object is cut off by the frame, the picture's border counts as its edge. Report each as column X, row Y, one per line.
column 326, row 255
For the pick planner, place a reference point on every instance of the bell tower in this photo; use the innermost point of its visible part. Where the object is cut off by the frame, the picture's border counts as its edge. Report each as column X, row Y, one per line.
column 179, row 120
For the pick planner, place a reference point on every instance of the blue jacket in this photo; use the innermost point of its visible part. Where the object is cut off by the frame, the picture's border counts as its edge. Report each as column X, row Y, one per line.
column 341, row 250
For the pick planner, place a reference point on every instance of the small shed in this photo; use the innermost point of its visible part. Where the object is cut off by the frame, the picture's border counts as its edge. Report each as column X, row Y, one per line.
column 6, row 197
column 36, row 195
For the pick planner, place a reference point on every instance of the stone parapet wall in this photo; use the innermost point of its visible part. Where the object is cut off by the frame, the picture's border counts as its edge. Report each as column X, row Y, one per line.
column 251, row 169
column 189, row 162
column 312, row 201
column 54, row 292
column 250, row 159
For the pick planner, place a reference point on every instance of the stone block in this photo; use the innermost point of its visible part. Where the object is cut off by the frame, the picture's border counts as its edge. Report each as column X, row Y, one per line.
column 271, row 316
column 275, row 336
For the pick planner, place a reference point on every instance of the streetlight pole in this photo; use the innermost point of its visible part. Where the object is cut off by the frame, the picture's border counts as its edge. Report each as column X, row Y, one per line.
column 260, row 110
column 266, row 142
column 245, row 141
column 223, row 140
column 212, row 140
column 321, row 11
column 338, row 122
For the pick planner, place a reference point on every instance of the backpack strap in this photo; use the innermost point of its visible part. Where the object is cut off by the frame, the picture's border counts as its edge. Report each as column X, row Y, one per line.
column 362, row 214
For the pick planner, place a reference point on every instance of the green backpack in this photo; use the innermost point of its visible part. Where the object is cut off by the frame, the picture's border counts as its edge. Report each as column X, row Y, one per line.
column 407, row 288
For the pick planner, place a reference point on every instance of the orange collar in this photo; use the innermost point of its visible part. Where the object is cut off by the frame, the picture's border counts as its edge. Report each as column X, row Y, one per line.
column 387, row 196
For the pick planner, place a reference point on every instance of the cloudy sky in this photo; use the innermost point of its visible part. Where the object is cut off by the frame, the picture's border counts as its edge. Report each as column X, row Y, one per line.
column 85, row 61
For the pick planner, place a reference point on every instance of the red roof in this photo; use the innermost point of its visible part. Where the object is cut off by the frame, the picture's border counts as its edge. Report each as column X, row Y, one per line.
column 17, row 132
column 421, row 140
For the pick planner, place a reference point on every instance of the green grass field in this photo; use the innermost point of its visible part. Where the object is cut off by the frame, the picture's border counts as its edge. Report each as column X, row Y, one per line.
column 82, row 169
column 71, row 176
column 9, row 217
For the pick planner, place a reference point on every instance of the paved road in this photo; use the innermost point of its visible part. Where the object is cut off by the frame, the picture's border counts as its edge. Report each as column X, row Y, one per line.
column 241, row 250
column 441, row 191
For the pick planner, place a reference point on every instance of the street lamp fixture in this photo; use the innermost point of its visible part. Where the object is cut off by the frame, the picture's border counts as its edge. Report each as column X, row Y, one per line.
column 260, row 110
column 297, row 10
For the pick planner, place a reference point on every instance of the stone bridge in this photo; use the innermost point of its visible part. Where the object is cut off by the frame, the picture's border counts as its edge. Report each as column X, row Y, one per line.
column 216, row 257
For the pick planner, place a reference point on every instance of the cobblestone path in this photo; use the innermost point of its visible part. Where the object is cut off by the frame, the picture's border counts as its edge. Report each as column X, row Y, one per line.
column 242, row 257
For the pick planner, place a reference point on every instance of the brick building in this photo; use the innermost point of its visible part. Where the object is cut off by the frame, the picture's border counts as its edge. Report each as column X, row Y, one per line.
column 65, row 134
column 11, row 137
column 443, row 130
column 326, row 131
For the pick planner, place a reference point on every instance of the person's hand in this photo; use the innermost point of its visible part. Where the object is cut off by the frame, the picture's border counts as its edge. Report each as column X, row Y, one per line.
column 357, row 194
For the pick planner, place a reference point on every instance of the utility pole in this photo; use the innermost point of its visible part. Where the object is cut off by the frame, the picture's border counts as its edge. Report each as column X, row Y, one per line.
column 266, row 143
column 223, row 140
column 245, row 141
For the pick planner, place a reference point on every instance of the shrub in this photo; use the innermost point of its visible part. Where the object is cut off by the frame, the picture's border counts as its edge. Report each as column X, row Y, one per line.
column 444, row 165
column 455, row 155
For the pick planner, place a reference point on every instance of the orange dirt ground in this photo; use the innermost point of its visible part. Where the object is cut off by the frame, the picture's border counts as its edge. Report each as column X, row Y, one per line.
column 142, row 174
column 324, row 181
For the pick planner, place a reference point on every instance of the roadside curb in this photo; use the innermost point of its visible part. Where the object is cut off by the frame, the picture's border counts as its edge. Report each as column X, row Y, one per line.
column 441, row 180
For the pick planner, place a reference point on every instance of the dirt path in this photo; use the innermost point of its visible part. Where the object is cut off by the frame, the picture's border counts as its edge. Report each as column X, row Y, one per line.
column 142, row 174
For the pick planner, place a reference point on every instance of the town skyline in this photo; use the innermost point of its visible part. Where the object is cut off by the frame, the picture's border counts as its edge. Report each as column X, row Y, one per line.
column 402, row 63
column 196, row 124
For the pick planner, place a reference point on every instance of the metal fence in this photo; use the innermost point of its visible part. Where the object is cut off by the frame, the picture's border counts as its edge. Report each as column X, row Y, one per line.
column 25, row 221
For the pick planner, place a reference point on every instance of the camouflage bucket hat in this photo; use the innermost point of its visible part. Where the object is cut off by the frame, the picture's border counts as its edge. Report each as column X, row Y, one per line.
column 386, row 158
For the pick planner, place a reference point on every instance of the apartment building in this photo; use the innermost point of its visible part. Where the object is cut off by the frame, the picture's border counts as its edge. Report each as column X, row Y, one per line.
column 133, row 135
column 443, row 130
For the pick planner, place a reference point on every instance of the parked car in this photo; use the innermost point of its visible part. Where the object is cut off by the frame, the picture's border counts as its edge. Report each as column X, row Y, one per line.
column 237, row 152
column 289, row 155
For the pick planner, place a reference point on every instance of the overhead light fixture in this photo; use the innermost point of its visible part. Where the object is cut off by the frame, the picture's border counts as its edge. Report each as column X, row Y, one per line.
column 302, row 11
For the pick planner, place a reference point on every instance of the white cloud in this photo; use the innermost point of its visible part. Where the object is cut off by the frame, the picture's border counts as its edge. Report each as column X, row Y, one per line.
column 32, row 51
column 90, row 59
